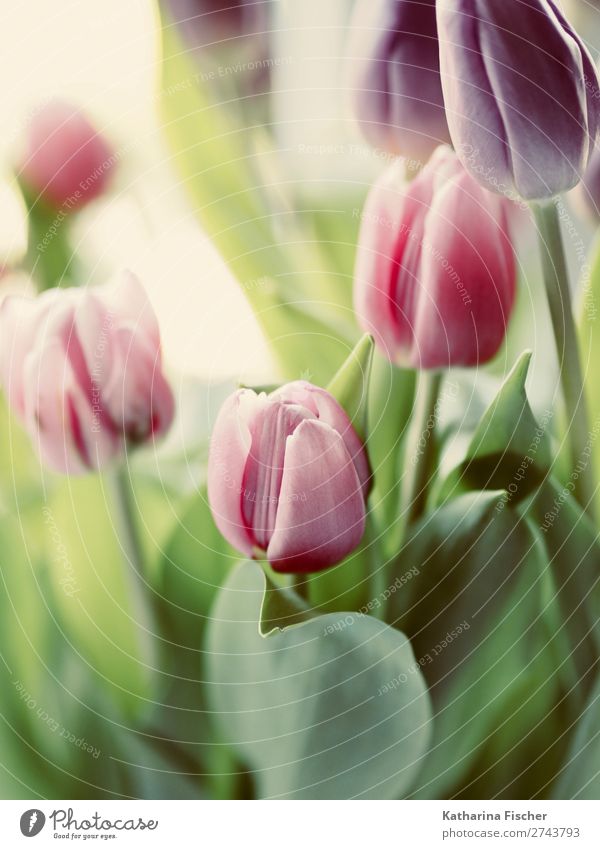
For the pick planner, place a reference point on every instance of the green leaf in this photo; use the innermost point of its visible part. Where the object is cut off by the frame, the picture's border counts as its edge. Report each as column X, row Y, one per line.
column 195, row 563
column 91, row 589
column 475, row 615
column 509, row 449
column 330, row 709
column 391, row 399
column 580, row 778
column 589, row 346
column 350, row 384
column 572, row 546
column 281, row 608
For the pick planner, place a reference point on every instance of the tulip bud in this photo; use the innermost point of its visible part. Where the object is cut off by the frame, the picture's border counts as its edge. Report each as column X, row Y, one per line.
column 396, row 77
column 435, row 269
column 66, row 161
column 82, row 371
column 519, row 92
column 289, row 476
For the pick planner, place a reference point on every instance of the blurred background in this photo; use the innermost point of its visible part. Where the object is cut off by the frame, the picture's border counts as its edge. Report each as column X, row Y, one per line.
column 82, row 716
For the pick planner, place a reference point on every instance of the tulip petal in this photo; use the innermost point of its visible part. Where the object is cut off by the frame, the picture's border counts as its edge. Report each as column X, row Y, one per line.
column 59, row 416
column 270, row 428
column 396, row 76
column 468, row 275
column 229, row 448
column 325, row 407
column 519, row 91
column 321, row 512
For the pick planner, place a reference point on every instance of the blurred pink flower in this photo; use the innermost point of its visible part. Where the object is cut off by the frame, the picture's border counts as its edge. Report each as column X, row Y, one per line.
column 288, row 475
column 82, row 370
column 66, row 161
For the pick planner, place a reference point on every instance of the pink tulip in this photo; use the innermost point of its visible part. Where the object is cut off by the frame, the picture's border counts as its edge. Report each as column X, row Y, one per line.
column 435, row 269
column 289, row 476
column 66, row 161
column 82, row 370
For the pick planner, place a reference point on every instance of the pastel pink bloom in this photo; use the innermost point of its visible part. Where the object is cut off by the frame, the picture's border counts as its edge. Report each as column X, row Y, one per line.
column 66, row 161
column 289, row 476
column 82, row 370
column 435, row 268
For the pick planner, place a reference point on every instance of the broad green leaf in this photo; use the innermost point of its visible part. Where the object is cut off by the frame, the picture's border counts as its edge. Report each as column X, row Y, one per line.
column 572, row 545
column 93, row 593
column 330, row 709
column 580, row 776
column 510, row 450
column 476, row 617
column 589, row 346
column 194, row 564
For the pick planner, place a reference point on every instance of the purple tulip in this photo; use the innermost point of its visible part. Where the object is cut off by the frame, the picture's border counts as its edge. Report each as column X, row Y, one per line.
column 519, row 88
column 435, row 270
column 66, row 161
column 288, row 476
column 396, row 76
column 82, row 371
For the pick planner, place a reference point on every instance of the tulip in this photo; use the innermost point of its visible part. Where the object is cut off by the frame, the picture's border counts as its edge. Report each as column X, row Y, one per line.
column 288, row 476
column 82, row 371
column 435, row 269
column 396, row 77
column 519, row 88
column 66, row 162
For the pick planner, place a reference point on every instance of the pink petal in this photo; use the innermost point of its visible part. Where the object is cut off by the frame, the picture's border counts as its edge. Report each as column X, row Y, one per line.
column 270, row 429
column 326, row 409
column 229, row 448
column 321, row 513
column 136, row 397
column 59, row 416
column 468, row 280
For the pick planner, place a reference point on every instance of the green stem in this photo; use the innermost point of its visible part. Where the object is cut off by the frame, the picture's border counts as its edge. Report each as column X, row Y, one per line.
column 300, row 585
column 420, row 456
column 142, row 611
column 556, row 279
column 378, row 571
